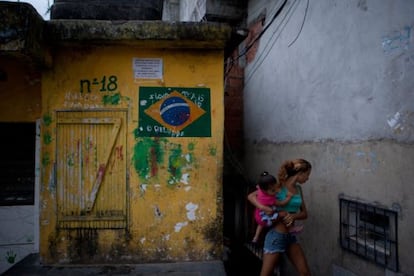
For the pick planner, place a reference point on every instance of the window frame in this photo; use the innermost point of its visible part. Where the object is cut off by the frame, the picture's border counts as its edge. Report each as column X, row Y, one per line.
column 369, row 231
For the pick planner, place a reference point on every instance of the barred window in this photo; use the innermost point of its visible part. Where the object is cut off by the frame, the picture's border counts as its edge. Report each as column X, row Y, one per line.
column 370, row 232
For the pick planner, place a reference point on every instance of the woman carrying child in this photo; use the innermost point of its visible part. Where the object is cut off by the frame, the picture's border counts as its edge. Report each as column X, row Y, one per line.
column 267, row 188
column 292, row 174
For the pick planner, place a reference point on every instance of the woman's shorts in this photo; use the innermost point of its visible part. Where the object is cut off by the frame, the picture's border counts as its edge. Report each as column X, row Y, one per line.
column 277, row 242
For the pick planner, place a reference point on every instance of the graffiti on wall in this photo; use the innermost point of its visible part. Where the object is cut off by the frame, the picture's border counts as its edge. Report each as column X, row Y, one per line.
column 79, row 100
column 102, row 85
column 95, row 93
column 363, row 159
column 174, row 112
column 11, row 256
column 397, row 40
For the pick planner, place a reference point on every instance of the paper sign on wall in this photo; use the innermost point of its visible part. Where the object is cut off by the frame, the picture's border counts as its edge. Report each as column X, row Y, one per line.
column 147, row 68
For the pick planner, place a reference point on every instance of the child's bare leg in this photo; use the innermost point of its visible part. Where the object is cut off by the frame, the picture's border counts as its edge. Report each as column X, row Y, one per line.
column 259, row 229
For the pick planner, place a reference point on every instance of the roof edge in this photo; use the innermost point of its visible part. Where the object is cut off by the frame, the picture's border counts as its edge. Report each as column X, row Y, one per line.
column 165, row 34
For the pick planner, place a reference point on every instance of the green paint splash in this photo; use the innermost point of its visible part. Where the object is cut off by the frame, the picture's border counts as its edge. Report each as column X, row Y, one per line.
column 70, row 160
column 175, row 163
column 212, row 150
column 47, row 138
column 47, row 119
column 111, row 99
column 11, row 257
column 45, row 159
column 140, row 157
column 191, row 146
column 147, row 155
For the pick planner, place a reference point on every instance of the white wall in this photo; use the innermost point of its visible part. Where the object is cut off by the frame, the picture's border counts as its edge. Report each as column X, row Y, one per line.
column 17, row 237
column 347, row 74
column 184, row 10
column 342, row 96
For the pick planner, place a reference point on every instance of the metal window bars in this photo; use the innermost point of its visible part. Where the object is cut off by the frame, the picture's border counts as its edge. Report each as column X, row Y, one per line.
column 370, row 232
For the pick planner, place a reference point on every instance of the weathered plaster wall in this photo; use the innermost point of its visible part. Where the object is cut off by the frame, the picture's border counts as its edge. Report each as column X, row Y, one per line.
column 339, row 92
column 174, row 183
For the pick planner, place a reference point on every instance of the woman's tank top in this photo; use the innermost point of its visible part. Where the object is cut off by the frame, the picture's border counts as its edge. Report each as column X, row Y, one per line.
column 293, row 206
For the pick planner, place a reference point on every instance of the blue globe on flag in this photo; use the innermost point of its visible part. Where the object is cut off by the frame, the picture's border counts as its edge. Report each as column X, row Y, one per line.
column 175, row 111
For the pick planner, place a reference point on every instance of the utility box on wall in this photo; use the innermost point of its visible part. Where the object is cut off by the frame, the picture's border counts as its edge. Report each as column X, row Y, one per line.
column 132, row 142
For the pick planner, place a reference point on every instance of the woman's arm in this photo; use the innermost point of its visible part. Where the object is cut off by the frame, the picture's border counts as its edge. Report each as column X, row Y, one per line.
column 301, row 215
column 252, row 197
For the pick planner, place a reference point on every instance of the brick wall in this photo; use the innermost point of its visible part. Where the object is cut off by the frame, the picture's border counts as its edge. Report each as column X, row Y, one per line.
column 233, row 101
column 234, row 85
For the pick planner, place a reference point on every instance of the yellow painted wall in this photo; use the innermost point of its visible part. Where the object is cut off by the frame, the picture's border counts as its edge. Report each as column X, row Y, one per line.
column 179, row 221
column 20, row 91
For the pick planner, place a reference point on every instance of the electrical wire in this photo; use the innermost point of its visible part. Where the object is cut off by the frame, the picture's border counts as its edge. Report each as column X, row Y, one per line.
column 264, row 29
column 273, row 39
column 303, row 23
column 251, row 44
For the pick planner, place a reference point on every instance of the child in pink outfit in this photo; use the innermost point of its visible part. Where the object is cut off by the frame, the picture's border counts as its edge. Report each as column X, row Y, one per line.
column 267, row 189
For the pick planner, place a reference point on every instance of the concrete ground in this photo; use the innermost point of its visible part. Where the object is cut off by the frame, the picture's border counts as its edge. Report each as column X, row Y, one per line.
column 31, row 266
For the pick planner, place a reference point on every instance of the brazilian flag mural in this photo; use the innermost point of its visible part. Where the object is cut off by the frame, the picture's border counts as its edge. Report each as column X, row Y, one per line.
column 174, row 112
